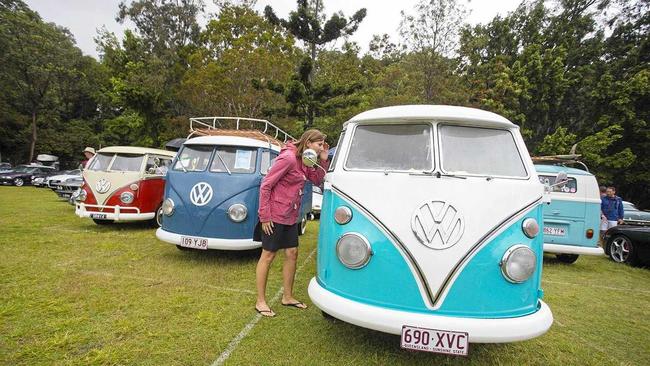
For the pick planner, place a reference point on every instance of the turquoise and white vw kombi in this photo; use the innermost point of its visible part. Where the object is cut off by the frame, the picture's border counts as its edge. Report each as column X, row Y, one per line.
column 212, row 190
column 430, row 229
column 572, row 217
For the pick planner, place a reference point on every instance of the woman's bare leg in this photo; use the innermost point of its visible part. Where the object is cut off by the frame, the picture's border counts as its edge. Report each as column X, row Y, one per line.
column 288, row 275
column 261, row 276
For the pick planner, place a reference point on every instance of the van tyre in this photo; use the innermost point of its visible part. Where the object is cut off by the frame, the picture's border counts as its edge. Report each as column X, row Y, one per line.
column 157, row 220
column 621, row 250
column 303, row 225
column 184, row 249
column 19, row 182
column 103, row 222
column 567, row 258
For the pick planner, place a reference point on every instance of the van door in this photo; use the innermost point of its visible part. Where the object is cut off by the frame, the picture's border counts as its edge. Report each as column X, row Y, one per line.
column 564, row 217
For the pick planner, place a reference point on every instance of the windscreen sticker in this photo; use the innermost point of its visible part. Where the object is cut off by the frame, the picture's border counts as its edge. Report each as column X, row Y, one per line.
column 243, row 159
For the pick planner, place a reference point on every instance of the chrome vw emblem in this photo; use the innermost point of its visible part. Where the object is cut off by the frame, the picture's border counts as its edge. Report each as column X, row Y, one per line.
column 201, row 194
column 103, row 186
column 437, row 224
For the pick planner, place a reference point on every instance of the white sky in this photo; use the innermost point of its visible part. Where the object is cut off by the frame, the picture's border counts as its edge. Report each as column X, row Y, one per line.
column 84, row 17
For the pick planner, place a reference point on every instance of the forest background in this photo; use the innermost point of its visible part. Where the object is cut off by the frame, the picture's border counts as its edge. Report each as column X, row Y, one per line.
column 567, row 72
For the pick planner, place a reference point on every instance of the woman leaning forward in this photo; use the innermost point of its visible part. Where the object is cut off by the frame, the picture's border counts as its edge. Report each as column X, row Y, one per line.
column 280, row 196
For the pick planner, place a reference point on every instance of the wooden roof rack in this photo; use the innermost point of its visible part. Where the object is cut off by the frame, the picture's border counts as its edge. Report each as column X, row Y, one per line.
column 259, row 129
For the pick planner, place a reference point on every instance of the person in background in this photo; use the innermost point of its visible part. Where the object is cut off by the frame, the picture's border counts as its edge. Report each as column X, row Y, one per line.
column 89, row 153
column 603, row 218
column 611, row 207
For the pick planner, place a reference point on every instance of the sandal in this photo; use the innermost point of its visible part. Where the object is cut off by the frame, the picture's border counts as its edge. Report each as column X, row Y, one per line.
column 298, row 305
column 265, row 313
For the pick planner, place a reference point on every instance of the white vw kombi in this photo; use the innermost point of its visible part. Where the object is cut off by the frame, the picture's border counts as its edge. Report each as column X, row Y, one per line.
column 430, row 228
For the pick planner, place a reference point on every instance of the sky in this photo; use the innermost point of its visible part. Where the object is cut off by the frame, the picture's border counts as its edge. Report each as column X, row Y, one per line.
column 84, row 17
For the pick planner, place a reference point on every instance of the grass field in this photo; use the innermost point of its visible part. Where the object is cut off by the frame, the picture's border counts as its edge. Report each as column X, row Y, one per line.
column 72, row 292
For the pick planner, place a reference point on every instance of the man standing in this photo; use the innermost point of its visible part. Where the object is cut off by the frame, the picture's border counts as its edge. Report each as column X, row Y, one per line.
column 612, row 208
column 89, row 153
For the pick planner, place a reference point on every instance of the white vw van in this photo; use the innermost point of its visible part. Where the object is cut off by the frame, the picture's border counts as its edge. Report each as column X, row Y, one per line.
column 430, row 228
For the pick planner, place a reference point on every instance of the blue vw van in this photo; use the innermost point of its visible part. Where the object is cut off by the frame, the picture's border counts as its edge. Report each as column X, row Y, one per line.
column 212, row 190
column 572, row 217
column 430, row 229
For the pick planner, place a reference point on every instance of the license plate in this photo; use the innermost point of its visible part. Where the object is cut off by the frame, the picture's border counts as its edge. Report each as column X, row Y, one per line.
column 556, row 231
column 98, row 216
column 435, row 340
column 195, row 243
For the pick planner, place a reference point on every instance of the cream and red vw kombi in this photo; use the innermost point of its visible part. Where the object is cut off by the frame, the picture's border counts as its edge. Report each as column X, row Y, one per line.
column 124, row 183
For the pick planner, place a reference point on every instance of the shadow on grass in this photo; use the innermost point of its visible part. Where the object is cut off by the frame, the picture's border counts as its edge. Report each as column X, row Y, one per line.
column 213, row 255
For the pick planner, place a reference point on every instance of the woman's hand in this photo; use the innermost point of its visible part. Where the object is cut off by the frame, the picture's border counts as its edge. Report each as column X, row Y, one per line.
column 267, row 227
column 324, row 153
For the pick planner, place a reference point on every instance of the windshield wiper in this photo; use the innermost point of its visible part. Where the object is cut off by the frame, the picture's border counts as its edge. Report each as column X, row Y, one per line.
column 438, row 175
column 223, row 162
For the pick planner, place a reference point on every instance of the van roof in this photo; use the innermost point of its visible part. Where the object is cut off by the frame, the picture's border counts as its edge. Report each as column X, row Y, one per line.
column 135, row 150
column 230, row 141
column 543, row 168
column 433, row 112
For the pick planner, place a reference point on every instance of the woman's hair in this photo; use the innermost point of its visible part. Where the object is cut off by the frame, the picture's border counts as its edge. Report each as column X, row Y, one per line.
column 309, row 136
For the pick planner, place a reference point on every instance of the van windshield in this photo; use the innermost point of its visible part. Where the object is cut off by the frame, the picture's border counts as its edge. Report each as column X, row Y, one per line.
column 194, row 158
column 480, row 151
column 100, row 162
column 236, row 159
column 385, row 147
column 127, row 163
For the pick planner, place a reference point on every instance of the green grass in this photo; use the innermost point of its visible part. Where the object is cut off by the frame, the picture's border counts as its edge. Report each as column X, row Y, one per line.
column 72, row 292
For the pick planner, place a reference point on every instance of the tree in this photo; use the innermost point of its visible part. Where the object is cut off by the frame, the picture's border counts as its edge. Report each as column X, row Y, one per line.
column 35, row 57
column 307, row 23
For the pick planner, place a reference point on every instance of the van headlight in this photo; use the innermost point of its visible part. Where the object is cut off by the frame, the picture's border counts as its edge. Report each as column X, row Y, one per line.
column 518, row 263
column 237, row 212
column 530, row 227
column 168, row 207
column 126, row 197
column 353, row 250
column 83, row 195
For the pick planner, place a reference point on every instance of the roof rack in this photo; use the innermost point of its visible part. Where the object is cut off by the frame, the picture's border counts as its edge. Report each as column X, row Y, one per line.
column 259, row 129
column 560, row 160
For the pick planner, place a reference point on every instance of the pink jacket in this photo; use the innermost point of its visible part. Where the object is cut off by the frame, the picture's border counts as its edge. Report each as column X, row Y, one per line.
column 282, row 188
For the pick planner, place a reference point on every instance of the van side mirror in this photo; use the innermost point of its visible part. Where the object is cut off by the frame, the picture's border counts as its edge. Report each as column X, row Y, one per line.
column 309, row 157
column 561, row 179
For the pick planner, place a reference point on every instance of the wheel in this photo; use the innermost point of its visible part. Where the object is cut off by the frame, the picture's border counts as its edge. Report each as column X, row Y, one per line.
column 159, row 216
column 567, row 258
column 303, row 224
column 621, row 250
column 103, row 222
column 19, row 182
column 184, row 249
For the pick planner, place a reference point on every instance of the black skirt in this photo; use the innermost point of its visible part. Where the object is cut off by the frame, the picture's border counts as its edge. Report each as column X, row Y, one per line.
column 283, row 236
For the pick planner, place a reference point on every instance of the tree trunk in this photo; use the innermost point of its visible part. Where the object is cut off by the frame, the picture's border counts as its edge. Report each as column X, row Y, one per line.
column 32, row 145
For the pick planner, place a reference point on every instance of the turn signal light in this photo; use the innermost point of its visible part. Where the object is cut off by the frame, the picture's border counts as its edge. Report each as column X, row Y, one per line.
column 590, row 234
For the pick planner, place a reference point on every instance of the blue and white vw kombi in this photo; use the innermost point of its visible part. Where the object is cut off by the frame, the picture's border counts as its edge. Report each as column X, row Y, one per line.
column 572, row 217
column 430, row 229
column 212, row 191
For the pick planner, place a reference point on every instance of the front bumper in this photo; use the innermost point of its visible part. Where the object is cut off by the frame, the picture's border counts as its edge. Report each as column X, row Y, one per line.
column 391, row 321
column 572, row 249
column 120, row 213
column 213, row 243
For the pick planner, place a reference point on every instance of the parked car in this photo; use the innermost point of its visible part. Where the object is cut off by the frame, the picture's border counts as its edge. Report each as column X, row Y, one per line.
column 23, row 174
column 212, row 193
column 5, row 167
column 53, row 180
column 632, row 215
column 430, row 225
column 67, row 188
column 124, row 183
column 316, row 201
column 628, row 244
column 572, row 217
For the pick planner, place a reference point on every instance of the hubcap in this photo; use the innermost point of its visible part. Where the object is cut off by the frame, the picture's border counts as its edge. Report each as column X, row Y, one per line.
column 620, row 250
column 18, row 182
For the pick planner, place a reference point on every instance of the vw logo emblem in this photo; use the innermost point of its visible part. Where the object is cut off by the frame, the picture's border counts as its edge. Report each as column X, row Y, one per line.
column 437, row 224
column 201, row 194
column 103, row 185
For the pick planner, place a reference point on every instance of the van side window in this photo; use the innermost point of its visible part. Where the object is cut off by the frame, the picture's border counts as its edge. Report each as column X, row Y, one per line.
column 388, row 147
column 480, row 151
column 267, row 161
column 335, row 158
column 160, row 169
column 571, row 186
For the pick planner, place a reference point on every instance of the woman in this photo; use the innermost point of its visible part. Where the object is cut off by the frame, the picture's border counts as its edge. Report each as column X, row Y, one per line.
column 280, row 196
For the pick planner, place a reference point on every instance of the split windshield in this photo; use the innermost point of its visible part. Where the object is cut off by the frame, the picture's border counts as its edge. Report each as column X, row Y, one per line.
column 122, row 162
column 219, row 159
